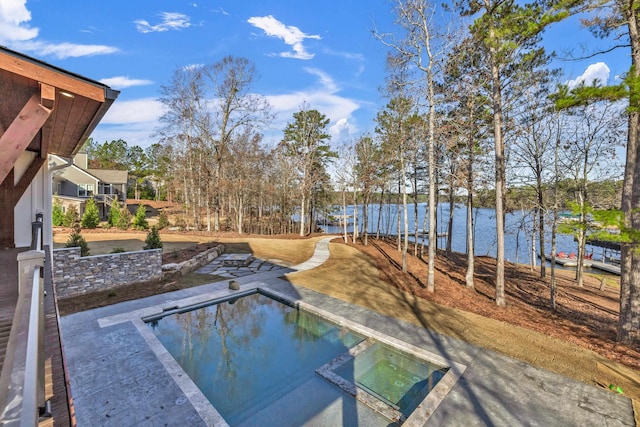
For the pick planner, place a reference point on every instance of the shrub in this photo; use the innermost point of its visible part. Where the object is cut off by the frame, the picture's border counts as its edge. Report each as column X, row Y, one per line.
column 125, row 218
column 140, row 220
column 117, row 250
column 71, row 217
column 163, row 221
column 91, row 217
column 76, row 240
column 57, row 216
column 114, row 214
column 153, row 240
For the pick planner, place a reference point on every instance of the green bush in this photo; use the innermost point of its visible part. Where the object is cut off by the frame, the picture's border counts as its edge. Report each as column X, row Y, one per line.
column 153, row 240
column 125, row 219
column 76, row 240
column 140, row 220
column 91, row 217
column 117, row 250
column 57, row 215
column 114, row 214
column 163, row 221
column 71, row 217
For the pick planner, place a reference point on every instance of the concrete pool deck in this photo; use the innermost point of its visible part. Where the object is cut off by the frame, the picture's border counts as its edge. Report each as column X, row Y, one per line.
column 117, row 378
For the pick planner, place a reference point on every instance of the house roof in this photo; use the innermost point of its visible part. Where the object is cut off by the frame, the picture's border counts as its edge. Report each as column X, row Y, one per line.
column 107, row 176
column 110, row 176
column 45, row 109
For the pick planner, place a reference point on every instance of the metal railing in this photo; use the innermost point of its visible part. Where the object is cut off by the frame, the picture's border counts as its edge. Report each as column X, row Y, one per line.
column 22, row 397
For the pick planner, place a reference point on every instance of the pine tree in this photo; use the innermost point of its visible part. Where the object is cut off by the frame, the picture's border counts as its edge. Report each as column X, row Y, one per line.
column 115, row 214
column 91, row 217
column 71, row 217
column 76, row 240
column 140, row 220
column 153, row 240
column 125, row 218
column 163, row 221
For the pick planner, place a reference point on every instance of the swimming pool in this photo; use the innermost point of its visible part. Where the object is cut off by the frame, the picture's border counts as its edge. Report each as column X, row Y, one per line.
column 252, row 351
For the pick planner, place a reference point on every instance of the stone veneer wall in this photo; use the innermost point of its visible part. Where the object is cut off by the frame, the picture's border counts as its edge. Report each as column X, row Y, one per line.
column 194, row 263
column 74, row 275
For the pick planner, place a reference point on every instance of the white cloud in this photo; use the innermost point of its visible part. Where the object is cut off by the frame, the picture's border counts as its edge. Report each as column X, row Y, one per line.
column 14, row 22
column 16, row 33
column 64, row 50
column 325, row 98
column 170, row 21
column 340, row 131
column 325, row 79
column 291, row 35
column 220, row 10
column 595, row 72
column 140, row 134
column 134, row 121
column 121, row 82
column 134, row 111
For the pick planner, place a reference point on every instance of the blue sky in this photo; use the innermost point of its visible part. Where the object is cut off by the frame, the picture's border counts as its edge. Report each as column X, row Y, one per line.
column 321, row 53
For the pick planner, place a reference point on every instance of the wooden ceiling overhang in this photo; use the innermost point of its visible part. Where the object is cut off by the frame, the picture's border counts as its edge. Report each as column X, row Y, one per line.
column 45, row 109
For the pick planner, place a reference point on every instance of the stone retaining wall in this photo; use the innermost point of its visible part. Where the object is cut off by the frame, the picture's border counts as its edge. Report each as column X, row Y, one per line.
column 194, row 263
column 74, row 275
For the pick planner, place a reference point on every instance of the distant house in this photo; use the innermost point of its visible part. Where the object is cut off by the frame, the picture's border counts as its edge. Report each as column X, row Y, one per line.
column 74, row 183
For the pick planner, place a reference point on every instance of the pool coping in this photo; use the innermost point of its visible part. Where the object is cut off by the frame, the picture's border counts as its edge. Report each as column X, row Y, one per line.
column 207, row 410
column 431, row 402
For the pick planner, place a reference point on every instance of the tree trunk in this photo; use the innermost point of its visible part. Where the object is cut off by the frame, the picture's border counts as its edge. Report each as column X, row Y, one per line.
column 541, row 228
column 500, row 173
column 344, row 214
column 405, row 242
column 470, row 246
column 355, row 214
column 365, row 217
column 629, row 322
column 303, row 203
column 452, row 207
column 380, row 214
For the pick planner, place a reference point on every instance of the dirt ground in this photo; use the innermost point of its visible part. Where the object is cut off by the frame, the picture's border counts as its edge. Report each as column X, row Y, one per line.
column 577, row 340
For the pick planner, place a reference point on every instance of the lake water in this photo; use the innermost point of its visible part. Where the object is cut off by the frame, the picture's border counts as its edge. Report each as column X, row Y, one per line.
column 517, row 239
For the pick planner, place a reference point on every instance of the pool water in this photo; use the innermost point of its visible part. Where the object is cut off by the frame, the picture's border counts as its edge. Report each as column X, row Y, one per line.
column 395, row 378
column 245, row 354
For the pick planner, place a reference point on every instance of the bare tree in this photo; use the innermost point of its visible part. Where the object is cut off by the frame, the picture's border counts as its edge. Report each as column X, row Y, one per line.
column 419, row 46
column 367, row 168
column 532, row 154
column 591, row 135
column 232, row 108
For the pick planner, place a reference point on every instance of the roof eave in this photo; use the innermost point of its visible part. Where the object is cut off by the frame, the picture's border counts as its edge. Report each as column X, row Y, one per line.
column 110, row 96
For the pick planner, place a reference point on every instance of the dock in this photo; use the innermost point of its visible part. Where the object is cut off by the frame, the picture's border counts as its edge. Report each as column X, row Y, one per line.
column 589, row 263
column 426, row 233
column 609, row 268
column 569, row 262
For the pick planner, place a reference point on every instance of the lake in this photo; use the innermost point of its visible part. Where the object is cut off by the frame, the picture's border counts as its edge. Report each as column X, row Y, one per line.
column 517, row 225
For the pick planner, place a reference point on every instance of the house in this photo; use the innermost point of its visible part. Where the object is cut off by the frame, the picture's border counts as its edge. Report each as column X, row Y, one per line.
column 76, row 183
column 44, row 110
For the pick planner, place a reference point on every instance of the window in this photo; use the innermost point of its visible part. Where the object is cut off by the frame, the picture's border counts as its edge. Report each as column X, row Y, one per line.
column 85, row 190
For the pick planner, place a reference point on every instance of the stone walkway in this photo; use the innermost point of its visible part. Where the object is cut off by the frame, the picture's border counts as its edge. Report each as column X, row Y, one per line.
column 219, row 267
